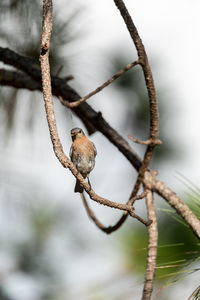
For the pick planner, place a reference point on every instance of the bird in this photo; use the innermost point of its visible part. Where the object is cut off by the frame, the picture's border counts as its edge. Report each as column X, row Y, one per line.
column 82, row 154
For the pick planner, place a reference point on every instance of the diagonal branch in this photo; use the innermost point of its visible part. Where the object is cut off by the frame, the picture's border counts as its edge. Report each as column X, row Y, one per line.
column 105, row 84
column 152, row 183
column 152, row 247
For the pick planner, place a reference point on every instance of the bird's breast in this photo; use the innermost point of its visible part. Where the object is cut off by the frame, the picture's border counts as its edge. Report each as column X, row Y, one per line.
column 83, row 156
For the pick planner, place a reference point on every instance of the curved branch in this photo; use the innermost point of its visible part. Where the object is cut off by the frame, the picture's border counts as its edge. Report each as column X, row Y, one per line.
column 47, row 95
column 113, row 228
column 154, row 115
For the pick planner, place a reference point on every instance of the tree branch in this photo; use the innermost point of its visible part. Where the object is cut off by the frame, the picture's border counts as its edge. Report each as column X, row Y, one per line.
column 147, row 142
column 154, row 116
column 105, row 84
column 152, row 183
column 113, row 228
column 152, row 247
column 18, row 80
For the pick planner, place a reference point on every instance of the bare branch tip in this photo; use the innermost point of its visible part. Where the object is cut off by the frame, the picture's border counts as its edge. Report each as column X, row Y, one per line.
column 147, row 142
column 149, row 222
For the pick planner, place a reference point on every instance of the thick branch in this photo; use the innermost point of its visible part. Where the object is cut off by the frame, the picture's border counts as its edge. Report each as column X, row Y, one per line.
column 18, row 80
column 152, row 247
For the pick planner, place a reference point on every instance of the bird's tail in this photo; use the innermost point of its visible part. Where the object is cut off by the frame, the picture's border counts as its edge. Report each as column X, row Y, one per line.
column 78, row 188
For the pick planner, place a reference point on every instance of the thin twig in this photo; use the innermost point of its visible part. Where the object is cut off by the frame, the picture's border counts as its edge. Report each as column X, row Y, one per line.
column 68, row 78
column 146, row 223
column 101, row 87
column 152, row 247
column 110, row 229
column 147, row 142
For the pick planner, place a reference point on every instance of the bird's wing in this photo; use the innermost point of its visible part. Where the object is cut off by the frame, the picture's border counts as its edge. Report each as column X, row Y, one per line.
column 70, row 152
column 95, row 149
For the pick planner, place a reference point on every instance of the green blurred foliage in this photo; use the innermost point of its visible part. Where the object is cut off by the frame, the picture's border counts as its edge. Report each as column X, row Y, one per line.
column 178, row 248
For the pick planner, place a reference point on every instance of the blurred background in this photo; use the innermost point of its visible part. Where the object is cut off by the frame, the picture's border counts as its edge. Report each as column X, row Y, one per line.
column 49, row 249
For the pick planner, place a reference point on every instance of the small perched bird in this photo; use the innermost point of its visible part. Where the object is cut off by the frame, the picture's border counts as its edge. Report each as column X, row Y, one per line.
column 82, row 154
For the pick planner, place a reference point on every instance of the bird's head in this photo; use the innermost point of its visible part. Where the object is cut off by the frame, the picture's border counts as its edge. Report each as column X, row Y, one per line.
column 77, row 133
